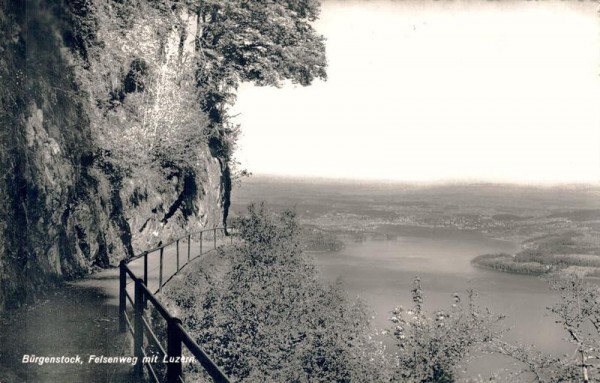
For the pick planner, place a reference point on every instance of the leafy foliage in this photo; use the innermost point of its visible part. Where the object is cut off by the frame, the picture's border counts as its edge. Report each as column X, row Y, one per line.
column 537, row 366
column 161, row 75
column 141, row 86
column 264, row 42
column 578, row 311
column 147, row 84
column 433, row 346
column 270, row 318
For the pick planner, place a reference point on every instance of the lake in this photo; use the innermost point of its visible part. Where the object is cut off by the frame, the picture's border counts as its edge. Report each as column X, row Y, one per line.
column 381, row 273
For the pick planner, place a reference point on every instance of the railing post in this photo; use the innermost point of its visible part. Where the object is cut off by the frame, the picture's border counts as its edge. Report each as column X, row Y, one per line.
column 145, row 277
column 201, row 235
column 215, row 238
column 138, row 333
column 177, row 255
column 173, row 350
column 160, row 272
column 122, row 300
column 189, row 244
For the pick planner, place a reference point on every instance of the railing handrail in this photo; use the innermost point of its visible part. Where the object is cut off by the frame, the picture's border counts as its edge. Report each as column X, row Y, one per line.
column 176, row 333
column 152, row 250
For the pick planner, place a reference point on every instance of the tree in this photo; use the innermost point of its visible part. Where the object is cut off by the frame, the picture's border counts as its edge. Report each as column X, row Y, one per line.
column 578, row 311
column 431, row 347
column 263, row 42
column 536, row 365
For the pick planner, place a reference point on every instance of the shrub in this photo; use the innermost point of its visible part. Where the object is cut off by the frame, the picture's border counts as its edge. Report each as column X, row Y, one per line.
column 431, row 347
column 271, row 318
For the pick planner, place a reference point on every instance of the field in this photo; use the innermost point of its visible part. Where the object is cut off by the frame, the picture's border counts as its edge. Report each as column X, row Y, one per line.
column 557, row 227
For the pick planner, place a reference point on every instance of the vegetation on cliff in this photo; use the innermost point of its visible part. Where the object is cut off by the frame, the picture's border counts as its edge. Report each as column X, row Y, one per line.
column 268, row 316
column 115, row 125
column 161, row 77
column 178, row 67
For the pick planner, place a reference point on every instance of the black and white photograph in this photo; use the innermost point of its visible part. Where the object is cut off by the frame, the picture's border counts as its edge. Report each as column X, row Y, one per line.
column 349, row 191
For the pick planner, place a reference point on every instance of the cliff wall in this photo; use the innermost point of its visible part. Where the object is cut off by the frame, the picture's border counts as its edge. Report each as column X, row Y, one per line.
column 100, row 153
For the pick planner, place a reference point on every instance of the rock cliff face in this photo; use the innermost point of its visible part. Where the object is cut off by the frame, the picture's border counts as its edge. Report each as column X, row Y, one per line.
column 66, row 202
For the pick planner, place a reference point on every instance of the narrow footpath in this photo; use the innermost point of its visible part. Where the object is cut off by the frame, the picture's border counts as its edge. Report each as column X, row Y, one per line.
column 78, row 319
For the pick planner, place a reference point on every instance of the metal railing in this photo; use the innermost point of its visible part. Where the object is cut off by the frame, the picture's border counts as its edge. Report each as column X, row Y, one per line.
column 176, row 335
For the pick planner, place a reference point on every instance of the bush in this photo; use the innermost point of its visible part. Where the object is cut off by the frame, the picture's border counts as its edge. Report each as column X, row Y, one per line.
column 432, row 346
column 270, row 318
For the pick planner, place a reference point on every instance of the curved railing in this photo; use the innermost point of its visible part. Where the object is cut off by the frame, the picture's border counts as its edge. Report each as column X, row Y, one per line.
column 153, row 265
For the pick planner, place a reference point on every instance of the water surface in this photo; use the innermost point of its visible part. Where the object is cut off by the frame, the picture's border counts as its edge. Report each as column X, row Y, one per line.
column 381, row 273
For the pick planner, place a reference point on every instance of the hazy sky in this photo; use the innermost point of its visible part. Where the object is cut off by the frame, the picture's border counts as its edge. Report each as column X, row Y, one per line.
column 429, row 91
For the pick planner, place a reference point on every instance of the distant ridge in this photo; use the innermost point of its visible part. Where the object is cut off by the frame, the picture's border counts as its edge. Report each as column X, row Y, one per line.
column 417, row 184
